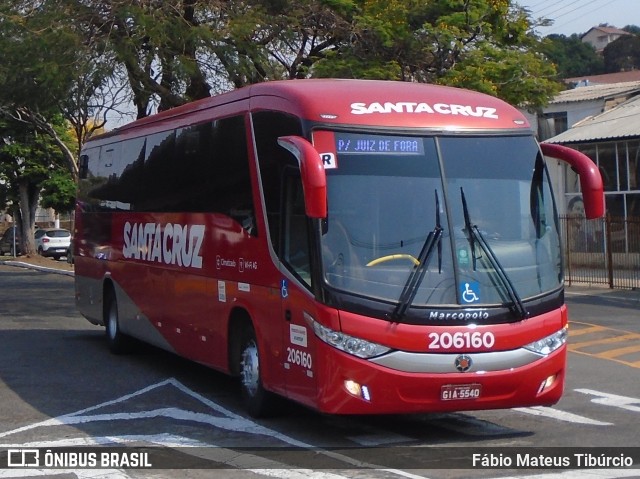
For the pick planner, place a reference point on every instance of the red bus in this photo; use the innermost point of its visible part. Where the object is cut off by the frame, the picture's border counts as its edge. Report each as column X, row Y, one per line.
column 359, row 247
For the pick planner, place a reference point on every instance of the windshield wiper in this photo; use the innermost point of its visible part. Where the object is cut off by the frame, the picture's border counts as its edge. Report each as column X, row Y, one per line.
column 417, row 274
column 476, row 236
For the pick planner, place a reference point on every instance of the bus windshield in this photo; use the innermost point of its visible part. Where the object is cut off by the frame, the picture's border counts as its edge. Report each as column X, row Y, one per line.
column 440, row 221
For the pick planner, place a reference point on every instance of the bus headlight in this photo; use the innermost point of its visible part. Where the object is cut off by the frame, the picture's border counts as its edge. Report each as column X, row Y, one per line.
column 349, row 344
column 549, row 344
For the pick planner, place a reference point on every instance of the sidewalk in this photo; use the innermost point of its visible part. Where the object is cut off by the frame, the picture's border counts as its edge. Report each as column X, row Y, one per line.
column 40, row 263
column 628, row 295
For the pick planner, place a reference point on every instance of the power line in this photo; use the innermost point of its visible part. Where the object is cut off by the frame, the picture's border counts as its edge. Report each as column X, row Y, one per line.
column 539, row 5
column 573, row 8
column 561, row 8
column 556, row 26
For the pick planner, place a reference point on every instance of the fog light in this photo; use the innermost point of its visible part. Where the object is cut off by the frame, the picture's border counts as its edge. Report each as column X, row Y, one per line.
column 365, row 393
column 546, row 383
column 357, row 390
column 352, row 387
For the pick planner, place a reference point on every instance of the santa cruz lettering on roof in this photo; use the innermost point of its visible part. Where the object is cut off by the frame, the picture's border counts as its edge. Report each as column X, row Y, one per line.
column 415, row 107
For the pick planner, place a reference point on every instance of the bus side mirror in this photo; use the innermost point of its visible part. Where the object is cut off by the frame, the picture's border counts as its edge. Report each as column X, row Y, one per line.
column 314, row 180
column 590, row 179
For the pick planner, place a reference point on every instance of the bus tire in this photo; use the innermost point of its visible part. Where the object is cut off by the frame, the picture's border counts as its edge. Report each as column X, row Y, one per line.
column 257, row 400
column 117, row 341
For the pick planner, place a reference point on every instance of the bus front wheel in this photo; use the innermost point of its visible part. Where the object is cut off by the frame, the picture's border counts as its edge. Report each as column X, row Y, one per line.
column 257, row 401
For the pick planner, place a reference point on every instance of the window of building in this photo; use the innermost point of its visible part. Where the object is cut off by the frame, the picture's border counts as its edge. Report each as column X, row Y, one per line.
column 551, row 124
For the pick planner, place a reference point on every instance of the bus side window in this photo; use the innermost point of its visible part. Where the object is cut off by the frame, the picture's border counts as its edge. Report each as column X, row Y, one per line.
column 228, row 172
column 83, row 167
column 295, row 235
column 129, row 171
column 199, row 168
column 89, row 182
column 157, row 188
column 272, row 161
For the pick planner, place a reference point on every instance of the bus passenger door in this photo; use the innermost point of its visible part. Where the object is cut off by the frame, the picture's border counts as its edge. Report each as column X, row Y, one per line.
column 296, row 292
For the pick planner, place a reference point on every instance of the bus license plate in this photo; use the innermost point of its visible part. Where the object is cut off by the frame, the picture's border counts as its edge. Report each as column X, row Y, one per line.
column 450, row 392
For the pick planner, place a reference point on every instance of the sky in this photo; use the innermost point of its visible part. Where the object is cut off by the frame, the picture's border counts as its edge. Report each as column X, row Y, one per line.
column 578, row 16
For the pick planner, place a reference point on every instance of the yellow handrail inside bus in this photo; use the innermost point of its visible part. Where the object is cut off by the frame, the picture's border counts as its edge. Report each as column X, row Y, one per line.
column 391, row 257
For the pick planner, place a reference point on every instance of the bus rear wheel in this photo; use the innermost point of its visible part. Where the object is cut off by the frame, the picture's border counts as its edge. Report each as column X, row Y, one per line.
column 116, row 339
column 257, row 401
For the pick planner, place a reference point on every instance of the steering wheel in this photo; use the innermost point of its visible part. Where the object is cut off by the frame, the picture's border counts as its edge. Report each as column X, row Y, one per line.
column 391, row 257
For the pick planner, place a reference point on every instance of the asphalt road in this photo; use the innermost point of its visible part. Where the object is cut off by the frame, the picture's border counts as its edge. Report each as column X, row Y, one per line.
column 60, row 387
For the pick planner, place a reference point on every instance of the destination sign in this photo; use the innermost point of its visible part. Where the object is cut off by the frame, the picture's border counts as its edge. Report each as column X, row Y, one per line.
column 360, row 144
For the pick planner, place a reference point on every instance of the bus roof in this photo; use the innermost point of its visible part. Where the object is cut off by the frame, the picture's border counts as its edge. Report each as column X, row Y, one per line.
column 373, row 103
column 394, row 104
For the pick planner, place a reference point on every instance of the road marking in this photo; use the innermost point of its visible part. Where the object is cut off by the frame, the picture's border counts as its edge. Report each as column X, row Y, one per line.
column 469, row 425
column 229, row 457
column 230, row 421
column 614, row 400
column 561, row 415
column 603, row 337
column 614, row 353
column 582, row 474
column 382, row 438
column 579, row 332
column 615, row 339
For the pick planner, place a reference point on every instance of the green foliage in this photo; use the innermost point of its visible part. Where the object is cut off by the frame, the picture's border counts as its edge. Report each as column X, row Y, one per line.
column 486, row 45
column 59, row 192
column 521, row 78
column 622, row 54
column 572, row 57
column 29, row 159
column 36, row 59
column 177, row 51
column 25, row 154
column 634, row 29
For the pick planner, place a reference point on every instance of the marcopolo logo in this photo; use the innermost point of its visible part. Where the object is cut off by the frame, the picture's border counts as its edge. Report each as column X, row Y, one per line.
column 170, row 243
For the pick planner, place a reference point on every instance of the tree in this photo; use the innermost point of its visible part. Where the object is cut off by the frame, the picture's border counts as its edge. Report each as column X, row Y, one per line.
column 622, row 54
column 27, row 160
column 179, row 51
column 524, row 79
column 51, row 66
column 481, row 44
column 572, row 57
column 633, row 29
column 174, row 52
column 58, row 192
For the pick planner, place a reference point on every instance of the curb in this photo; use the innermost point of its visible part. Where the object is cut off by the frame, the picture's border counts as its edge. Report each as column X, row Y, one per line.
column 44, row 269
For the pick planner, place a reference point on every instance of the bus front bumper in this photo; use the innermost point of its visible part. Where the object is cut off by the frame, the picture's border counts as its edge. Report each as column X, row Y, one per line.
column 348, row 385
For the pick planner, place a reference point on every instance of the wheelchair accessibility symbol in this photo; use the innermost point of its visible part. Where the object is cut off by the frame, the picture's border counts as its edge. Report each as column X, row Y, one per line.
column 470, row 292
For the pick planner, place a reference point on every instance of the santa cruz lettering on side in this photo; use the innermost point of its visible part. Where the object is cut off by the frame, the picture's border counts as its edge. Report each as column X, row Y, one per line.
column 171, row 243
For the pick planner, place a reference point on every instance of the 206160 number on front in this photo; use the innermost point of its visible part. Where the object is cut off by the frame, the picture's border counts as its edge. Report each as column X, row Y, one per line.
column 462, row 340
